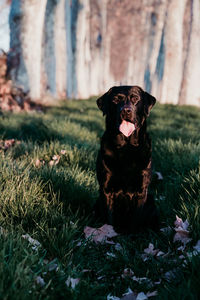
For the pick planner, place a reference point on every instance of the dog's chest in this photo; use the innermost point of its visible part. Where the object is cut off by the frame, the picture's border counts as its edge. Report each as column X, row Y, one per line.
column 125, row 160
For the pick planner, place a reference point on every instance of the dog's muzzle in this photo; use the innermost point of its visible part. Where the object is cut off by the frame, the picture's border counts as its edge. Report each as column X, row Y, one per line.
column 127, row 112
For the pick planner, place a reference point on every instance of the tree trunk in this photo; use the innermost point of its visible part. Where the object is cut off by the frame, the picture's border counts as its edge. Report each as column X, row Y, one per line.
column 26, row 25
column 79, row 48
column 189, row 92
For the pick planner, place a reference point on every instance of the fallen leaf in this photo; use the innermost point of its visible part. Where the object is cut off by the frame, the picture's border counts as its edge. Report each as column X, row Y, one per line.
column 40, row 281
column 145, row 257
column 152, row 294
column 196, row 250
column 182, row 233
column 56, row 157
column 141, row 296
column 86, row 271
column 51, row 163
column 129, row 295
column 111, row 254
column 127, row 273
column 55, row 160
column 72, row 282
column 197, row 247
column 140, row 279
column 151, row 250
column 179, row 223
column 39, row 163
column 101, row 277
column 159, row 176
column 166, row 230
column 32, row 241
column 53, row 267
column 79, row 244
column 160, row 253
column 9, row 143
column 100, row 235
column 109, row 242
column 171, row 275
column 118, row 247
column 6, row 144
column 157, row 282
column 63, row 152
column 110, row 297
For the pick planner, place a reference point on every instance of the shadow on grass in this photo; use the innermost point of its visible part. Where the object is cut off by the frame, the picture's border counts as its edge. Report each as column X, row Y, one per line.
column 70, row 190
column 33, row 129
column 90, row 125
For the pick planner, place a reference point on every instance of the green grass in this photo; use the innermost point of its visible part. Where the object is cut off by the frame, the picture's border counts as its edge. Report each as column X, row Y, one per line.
column 53, row 204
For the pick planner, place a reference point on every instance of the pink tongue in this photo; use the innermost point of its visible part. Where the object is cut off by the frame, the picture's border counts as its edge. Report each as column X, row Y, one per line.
column 126, row 128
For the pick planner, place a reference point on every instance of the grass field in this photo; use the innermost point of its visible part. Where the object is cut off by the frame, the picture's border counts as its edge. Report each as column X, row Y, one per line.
column 53, row 203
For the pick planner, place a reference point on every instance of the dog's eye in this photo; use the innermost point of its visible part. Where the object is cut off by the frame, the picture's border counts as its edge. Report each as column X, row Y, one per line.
column 118, row 99
column 134, row 99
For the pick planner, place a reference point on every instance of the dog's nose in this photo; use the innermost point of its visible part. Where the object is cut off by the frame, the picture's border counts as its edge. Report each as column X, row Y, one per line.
column 126, row 109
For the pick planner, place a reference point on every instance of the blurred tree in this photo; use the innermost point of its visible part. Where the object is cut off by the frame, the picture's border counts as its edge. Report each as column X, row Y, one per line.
column 79, row 48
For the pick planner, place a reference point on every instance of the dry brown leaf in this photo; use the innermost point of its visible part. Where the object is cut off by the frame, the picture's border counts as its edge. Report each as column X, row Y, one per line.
column 52, row 267
column 51, row 163
column 40, row 281
column 166, row 230
column 72, row 282
column 159, row 176
column 110, row 297
column 109, row 242
column 39, row 163
column 152, row 294
column 100, row 235
column 196, row 250
column 182, row 232
column 129, row 295
column 55, row 160
column 151, row 250
column 86, row 271
column 157, row 282
column 197, row 247
column 127, row 273
column 140, row 279
column 63, row 152
column 110, row 254
column 6, row 144
column 141, row 296
column 32, row 241
column 172, row 275
column 118, row 247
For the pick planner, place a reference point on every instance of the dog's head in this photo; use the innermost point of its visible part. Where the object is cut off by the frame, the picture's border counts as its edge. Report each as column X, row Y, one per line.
column 126, row 108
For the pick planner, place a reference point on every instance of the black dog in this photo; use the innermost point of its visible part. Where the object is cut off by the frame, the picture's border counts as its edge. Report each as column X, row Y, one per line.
column 124, row 161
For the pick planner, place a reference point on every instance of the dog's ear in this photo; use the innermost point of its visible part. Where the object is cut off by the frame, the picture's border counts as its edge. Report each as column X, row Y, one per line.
column 149, row 102
column 102, row 102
